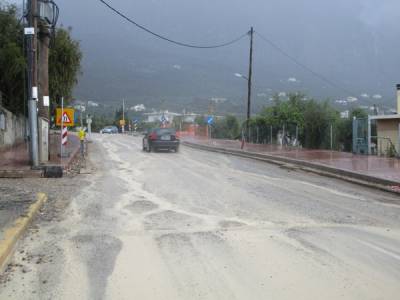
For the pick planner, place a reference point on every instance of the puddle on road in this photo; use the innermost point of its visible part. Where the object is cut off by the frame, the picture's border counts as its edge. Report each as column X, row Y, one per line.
column 169, row 219
column 99, row 253
column 141, row 206
column 231, row 224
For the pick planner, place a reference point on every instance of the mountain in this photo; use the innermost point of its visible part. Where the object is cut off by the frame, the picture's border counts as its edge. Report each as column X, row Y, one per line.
column 353, row 44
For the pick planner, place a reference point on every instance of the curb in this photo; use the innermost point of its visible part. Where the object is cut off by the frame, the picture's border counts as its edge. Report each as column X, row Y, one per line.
column 12, row 234
column 21, row 173
column 353, row 177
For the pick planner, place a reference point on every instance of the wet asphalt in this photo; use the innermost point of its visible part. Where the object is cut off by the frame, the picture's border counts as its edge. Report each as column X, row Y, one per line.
column 199, row 225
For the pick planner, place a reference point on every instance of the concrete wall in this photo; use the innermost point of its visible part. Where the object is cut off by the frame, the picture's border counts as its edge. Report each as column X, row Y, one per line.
column 388, row 129
column 12, row 129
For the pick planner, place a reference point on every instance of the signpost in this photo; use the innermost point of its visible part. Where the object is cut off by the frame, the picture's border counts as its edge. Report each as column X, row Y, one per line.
column 210, row 121
column 65, row 117
column 64, row 139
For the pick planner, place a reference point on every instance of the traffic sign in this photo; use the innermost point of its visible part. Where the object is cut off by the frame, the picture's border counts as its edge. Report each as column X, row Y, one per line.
column 67, row 116
column 210, row 120
column 163, row 119
column 122, row 122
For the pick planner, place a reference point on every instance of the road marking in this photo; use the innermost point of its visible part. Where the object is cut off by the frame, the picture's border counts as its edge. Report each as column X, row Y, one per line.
column 381, row 250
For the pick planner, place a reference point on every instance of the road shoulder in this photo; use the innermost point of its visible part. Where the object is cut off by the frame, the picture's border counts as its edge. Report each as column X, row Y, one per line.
column 327, row 171
column 13, row 233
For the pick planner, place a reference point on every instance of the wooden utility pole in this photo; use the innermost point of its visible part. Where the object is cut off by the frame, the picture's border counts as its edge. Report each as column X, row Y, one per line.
column 249, row 80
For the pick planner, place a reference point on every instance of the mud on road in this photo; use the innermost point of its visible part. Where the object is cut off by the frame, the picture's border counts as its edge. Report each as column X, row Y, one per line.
column 199, row 225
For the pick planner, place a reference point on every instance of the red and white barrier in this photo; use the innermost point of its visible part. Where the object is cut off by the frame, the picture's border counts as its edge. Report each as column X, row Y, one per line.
column 64, row 139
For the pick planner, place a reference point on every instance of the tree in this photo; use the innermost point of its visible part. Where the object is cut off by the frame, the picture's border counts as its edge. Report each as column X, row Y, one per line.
column 64, row 65
column 99, row 122
column 64, row 61
column 233, row 127
column 12, row 60
column 226, row 128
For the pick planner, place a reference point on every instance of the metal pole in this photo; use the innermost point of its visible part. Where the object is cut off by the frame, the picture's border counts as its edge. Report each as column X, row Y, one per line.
column 33, row 84
column 331, row 137
column 271, row 134
column 355, row 135
column 249, row 82
column 81, row 113
column 123, row 109
column 369, row 135
column 297, row 135
column 257, row 134
column 62, row 127
column 123, row 115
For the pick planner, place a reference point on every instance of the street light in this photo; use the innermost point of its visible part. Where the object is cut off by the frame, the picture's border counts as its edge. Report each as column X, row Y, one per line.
column 241, row 76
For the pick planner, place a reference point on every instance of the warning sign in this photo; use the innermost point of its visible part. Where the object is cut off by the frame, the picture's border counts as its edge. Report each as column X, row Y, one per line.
column 67, row 117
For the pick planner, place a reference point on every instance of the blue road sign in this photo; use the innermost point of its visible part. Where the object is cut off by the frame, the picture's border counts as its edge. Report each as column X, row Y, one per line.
column 163, row 119
column 210, row 120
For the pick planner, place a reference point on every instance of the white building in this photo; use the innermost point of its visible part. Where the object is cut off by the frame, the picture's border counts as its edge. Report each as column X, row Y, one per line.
column 156, row 117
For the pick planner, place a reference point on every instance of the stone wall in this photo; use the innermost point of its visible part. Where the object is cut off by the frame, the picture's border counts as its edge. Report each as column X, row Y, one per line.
column 12, row 129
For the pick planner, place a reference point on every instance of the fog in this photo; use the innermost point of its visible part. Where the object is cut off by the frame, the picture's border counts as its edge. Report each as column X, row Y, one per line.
column 353, row 43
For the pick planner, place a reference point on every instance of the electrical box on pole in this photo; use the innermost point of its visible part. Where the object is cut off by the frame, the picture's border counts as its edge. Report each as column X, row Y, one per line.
column 46, row 11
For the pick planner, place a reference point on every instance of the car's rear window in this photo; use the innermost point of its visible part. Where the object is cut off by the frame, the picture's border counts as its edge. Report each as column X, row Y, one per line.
column 165, row 131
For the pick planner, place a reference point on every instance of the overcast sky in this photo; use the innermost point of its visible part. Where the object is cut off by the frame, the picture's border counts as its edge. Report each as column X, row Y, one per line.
column 354, row 43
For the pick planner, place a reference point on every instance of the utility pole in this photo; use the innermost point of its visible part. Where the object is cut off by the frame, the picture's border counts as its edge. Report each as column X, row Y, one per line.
column 31, row 33
column 123, row 110
column 123, row 115
column 249, row 85
column 44, row 100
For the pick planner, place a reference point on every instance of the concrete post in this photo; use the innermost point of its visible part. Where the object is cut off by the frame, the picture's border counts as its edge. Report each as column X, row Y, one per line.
column 32, row 82
column 44, row 100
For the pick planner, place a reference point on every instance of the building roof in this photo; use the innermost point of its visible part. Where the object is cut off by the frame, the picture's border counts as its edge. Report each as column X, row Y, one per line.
column 161, row 113
column 385, row 117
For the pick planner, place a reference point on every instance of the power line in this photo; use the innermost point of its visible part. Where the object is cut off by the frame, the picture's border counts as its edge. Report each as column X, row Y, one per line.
column 316, row 74
column 168, row 39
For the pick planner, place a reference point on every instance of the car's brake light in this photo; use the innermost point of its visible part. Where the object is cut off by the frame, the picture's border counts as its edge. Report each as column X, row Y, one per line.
column 153, row 136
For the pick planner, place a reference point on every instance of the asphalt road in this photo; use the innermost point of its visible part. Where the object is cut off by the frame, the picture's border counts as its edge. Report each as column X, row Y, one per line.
column 199, row 225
